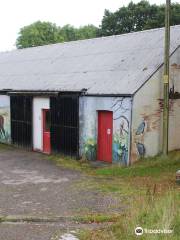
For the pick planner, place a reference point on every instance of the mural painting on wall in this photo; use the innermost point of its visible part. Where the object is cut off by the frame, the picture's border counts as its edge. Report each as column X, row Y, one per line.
column 121, row 131
column 139, row 139
column 90, row 147
column 89, row 140
column 4, row 125
column 121, row 108
column 120, row 141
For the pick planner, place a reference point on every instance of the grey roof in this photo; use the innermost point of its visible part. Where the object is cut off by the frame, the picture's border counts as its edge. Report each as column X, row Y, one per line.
column 109, row 65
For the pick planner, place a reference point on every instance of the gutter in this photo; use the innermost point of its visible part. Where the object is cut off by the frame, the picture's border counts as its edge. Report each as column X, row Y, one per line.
column 82, row 92
column 108, row 95
column 11, row 92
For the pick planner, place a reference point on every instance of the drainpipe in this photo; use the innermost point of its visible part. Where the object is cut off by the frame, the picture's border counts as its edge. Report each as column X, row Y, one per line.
column 166, row 79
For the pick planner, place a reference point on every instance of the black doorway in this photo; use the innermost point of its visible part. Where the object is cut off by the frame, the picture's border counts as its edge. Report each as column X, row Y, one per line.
column 21, row 121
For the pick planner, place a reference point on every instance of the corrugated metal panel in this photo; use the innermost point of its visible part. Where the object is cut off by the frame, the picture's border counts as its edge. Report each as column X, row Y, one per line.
column 109, row 65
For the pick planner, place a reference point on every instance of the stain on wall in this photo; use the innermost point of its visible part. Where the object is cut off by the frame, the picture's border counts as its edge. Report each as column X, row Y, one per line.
column 5, row 135
column 147, row 121
column 121, row 108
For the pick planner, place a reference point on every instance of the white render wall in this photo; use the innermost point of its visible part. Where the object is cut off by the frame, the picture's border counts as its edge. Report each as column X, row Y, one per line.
column 147, row 114
column 39, row 103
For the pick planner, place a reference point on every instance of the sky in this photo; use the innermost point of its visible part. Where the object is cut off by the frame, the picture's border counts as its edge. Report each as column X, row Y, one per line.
column 14, row 14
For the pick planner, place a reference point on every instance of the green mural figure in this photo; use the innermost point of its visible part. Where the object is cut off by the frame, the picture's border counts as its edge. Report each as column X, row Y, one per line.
column 140, row 145
column 120, row 142
column 2, row 130
column 90, row 149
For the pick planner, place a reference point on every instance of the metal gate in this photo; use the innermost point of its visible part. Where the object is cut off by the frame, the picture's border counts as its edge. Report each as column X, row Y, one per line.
column 21, row 120
column 64, row 111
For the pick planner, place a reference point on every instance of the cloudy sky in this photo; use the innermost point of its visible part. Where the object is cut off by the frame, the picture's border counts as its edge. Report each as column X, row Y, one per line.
column 15, row 14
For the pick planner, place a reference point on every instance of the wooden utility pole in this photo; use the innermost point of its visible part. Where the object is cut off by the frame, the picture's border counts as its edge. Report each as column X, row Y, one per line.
column 166, row 79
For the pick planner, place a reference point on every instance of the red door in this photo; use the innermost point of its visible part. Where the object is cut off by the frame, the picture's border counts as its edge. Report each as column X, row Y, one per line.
column 46, row 131
column 105, row 131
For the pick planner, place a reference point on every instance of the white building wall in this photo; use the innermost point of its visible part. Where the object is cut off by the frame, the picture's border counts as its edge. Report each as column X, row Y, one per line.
column 147, row 121
column 174, row 116
column 39, row 104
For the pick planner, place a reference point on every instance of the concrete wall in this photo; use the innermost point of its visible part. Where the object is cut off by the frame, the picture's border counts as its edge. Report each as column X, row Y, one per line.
column 146, row 139
column 174, row 118
column 121, row 108
column 5, row 122
column 38, row 104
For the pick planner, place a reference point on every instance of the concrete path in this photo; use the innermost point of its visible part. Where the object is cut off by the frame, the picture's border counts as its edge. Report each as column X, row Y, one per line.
column 32, row 186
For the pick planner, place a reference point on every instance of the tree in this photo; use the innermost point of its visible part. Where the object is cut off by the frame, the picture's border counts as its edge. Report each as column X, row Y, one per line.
column 137, row 17
column 38, row 34
column 42, row 33
column 68, row 33
column 88, row 31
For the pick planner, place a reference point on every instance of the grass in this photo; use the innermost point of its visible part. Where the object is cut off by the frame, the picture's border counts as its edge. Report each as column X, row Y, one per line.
column 153, row 167
column 4, row 147
column 70, row 163
column 149, row 167
column 153, row 198
column 150, row 212
column 96, row 218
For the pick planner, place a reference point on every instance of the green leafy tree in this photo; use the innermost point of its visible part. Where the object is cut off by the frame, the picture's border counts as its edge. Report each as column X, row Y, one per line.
column 37, row 34
column 137, row 17
column 42, row 33
column 88, row 31
column 68, row 33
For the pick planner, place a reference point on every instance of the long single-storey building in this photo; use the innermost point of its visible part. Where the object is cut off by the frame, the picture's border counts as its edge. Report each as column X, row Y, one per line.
column 99, row 99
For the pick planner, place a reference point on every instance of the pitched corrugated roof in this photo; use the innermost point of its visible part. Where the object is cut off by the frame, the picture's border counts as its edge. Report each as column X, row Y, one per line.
column 109, row 65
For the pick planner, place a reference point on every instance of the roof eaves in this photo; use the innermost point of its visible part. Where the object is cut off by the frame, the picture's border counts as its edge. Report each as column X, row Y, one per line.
column 108, row 95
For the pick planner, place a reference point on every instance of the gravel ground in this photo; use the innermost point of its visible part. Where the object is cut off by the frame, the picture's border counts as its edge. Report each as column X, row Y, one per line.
column 31, row 185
